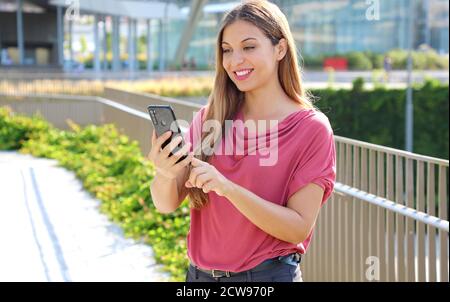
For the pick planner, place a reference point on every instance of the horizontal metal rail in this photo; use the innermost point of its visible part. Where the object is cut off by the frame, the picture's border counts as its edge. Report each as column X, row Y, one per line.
column 393, row 206
column 130, row 110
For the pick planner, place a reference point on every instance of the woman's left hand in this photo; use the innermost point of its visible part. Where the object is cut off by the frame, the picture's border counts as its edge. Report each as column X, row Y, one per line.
column 206, row 177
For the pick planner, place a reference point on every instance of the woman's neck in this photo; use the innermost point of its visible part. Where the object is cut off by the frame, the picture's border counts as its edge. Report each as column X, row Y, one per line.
column 267, row 102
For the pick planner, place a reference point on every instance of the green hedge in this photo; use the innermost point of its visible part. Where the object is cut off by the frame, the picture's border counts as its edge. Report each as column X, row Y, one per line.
column 378, row 116
column 113, row 170
column 366, row 60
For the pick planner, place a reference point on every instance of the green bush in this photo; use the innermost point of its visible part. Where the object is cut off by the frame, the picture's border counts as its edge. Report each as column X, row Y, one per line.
column 399, row 58
column 358, row 61
column 436, row 61
column 16, row 129
column 376, row 59
column 427, row 59
column 313, row 62
column 113, row 170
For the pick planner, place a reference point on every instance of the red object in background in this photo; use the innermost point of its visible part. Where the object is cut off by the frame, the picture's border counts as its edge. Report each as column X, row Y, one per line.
column 336, row 63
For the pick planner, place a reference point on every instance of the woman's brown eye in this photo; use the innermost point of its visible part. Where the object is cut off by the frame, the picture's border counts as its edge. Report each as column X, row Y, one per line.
column 248, row 47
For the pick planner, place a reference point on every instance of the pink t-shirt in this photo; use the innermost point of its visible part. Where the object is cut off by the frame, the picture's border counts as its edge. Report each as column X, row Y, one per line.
column 220, row 237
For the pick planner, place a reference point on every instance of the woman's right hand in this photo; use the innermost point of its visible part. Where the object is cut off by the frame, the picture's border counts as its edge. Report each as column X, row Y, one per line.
column 165, row 165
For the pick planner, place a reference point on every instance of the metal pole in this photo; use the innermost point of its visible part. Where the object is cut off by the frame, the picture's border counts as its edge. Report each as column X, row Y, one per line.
column 163, row 39
column 105, row 45
column 161, row 45
column 20, row 43
column 166, row 34
column 131, row 42
column 71, row 57
column 409, row 122
column 96, row 45
column 426, row 8
column 149, row 47
column 135, row 45
column 116, row 43
column 60, row 34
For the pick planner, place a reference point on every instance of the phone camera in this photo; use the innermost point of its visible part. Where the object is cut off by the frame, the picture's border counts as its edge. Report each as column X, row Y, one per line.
column 153, row 117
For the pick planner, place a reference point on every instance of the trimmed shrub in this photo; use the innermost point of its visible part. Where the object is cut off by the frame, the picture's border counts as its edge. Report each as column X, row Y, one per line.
column 358, row 61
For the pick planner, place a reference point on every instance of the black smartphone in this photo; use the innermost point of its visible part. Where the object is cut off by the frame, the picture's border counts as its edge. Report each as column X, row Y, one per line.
column 163, row 119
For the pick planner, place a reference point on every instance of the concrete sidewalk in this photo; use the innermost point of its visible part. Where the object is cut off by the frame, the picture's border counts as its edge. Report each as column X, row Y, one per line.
column 52, row 230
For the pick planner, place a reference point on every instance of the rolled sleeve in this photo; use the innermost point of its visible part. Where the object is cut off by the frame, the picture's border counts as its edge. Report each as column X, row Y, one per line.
column 318, row 164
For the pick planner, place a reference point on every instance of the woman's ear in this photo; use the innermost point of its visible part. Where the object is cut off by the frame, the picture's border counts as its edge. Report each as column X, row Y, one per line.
column 281, row 49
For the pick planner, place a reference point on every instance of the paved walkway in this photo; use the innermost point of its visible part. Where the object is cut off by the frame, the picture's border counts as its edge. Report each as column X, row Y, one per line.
column 52, row 230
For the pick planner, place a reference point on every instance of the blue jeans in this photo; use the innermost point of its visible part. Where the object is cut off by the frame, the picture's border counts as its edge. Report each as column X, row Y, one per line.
column 278, row 272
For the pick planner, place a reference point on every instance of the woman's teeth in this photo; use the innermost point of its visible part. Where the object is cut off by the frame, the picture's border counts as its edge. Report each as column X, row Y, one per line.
column 243, row 74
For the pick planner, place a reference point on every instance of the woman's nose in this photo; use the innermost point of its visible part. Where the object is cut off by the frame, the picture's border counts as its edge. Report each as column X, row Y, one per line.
column 237, row 59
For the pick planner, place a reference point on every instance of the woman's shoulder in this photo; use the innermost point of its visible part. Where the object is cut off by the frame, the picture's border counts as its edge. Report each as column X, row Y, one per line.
column 316, row 120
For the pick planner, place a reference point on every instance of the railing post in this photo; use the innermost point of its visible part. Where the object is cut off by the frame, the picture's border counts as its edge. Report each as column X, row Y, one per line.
column 390, row 228
column 348, row 226
column 365, row 236
column 410, row 263
column 400, row 276
column 381, row 218
column 431, row 231
column 373, row 227
column 443, row 214
column 357, row 266
column 420, row 227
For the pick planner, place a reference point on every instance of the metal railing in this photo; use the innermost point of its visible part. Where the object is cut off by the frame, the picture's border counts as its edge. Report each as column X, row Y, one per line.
column 361, row 236
column 387, row 219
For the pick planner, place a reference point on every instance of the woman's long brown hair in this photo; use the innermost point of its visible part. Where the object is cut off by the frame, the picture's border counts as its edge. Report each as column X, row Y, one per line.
column 225, row 98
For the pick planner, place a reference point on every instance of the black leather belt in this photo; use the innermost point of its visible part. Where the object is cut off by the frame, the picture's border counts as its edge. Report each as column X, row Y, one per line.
column 292, row 259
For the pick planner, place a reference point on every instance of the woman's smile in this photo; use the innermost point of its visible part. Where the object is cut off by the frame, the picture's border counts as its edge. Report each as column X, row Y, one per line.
column 242, row 74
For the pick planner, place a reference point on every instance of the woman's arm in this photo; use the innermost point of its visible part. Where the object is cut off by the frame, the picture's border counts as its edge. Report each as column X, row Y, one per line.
column 292, row 223
column 168, row 193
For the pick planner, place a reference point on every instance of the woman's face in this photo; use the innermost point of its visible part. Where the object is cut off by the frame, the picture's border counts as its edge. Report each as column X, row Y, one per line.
column 249, row 57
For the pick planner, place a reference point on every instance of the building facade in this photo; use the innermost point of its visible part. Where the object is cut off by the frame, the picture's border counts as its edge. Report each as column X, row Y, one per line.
column 319, row 27
column 329, row 27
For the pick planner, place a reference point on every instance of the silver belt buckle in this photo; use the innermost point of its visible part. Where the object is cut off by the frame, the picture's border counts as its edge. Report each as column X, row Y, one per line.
column 292, row 259
column 219, row 274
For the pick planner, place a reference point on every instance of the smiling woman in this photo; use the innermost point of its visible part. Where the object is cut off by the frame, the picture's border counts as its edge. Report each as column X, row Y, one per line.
column 250, row 221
